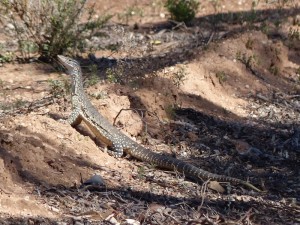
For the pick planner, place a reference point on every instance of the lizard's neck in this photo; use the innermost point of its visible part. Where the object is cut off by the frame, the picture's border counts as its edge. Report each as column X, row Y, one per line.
column 77, row 83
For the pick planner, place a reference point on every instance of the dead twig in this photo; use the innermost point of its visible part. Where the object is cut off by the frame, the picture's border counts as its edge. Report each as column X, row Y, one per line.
column 247, row 215
column 210, row 38
column 203, row 190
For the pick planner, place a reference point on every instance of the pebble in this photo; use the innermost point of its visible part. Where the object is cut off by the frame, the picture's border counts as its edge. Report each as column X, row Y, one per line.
column 112, row 220
column 132, row 222
column 60, row 136
column 95, row 39
column 95, row 180
column 10, row 26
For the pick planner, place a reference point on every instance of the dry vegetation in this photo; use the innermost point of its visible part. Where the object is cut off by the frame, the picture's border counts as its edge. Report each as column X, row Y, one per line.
column 221, row 93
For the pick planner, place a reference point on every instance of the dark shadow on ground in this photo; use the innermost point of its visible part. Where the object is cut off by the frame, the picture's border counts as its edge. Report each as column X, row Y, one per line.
column 147, row 204
column 274, row 155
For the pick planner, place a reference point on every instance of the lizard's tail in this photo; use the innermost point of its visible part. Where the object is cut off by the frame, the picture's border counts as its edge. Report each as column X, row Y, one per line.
column 187, row 169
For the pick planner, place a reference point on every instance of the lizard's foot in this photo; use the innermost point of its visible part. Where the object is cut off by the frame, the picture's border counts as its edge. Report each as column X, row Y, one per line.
column 116, row 151
column 115, row 154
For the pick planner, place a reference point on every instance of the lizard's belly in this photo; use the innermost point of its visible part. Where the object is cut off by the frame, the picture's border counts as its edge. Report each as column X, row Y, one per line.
column 101, row 135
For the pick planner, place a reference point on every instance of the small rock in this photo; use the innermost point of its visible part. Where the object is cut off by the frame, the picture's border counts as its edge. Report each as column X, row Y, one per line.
column 132, row 222
column 95, row 39
column 241, row 146
column 162, row 15
column 60, row 136
column 215, row 185
column 10, row 26
column 52, row 208
column 95, row 180
column 61, row 223
column 184, row 154
column 112, row 220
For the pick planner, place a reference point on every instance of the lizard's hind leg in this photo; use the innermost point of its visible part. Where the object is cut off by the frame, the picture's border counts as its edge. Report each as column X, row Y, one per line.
column 116, row 151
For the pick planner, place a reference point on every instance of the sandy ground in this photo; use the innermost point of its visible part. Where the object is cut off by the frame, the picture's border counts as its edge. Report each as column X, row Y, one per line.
column 37, row 150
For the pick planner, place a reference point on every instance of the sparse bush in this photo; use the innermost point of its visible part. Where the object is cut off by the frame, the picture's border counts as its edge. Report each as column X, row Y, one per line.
column 93, row 79
column 249, row 61
column 221, row 75
column 179, row 76
column 182, row 10
column 19, row 103
column 294, row 34
column 59, row 88
column 274, row 70
column 48, row 27
column 114, row 74
column 170, row 110
column 249, row 43
column 141, row 173
column 6, row 57
column 100, row 95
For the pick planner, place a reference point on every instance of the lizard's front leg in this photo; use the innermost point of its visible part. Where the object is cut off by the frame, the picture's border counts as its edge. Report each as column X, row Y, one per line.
column 75, row 117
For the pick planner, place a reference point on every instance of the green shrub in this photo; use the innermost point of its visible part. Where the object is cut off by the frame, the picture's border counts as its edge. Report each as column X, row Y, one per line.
column 182, row 10
column 59, row 88
column 6, row 57
column 49, row 27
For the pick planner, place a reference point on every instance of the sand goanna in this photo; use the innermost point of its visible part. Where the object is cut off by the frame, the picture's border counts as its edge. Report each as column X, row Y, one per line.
column 117, row 141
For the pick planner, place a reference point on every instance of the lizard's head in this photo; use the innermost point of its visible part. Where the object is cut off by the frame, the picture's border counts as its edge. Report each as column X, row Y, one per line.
column 68, row 63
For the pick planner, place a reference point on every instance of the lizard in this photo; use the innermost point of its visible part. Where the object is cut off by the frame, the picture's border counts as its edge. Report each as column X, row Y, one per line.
column 117, row 141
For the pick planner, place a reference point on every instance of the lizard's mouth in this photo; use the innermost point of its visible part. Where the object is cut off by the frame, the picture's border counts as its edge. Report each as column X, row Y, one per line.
column 63, row 61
